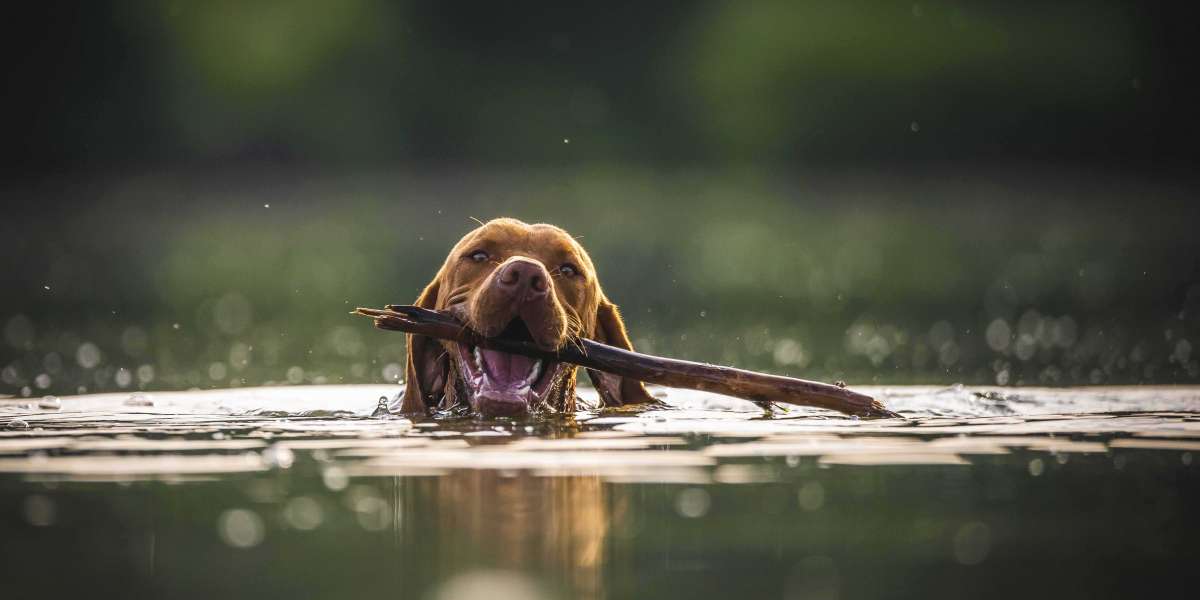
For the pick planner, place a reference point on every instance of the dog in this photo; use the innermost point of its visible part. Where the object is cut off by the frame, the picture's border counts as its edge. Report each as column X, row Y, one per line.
column 534, row 282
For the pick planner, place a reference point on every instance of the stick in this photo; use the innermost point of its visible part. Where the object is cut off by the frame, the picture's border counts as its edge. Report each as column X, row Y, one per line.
column 760, row 388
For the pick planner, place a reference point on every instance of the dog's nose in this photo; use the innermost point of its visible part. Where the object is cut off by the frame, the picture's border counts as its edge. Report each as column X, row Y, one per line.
column 525, row 279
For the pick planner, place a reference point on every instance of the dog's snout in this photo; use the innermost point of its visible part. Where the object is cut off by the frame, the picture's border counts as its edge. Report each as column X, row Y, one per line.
column 524, row 279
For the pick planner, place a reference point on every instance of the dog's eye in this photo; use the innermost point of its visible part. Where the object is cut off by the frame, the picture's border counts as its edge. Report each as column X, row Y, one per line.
column 568, row 270
column 479, row 256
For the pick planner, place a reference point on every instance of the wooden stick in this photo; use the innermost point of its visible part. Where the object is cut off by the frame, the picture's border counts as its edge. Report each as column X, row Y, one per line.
column 760, row 388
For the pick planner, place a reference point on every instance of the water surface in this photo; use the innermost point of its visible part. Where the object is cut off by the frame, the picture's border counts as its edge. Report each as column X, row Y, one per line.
column 299, row 491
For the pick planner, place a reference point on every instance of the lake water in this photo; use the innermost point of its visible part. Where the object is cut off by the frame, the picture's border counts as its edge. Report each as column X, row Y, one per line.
column 299, row 492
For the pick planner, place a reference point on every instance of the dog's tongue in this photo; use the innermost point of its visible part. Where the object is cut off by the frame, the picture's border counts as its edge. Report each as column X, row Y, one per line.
column 506, row 370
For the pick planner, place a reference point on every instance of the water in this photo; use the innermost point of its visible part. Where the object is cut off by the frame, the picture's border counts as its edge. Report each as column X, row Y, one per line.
column 298, row 491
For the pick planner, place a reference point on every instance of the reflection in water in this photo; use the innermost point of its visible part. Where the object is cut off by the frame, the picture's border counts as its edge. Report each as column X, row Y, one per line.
column 556, row 525
column 297, row 492
column 490, row 584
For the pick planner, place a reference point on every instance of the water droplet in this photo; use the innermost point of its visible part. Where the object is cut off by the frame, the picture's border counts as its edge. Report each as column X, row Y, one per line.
column 998, row 335
column 50, row 403
column 123, row 377
column 295, row 374
column 20, row 332
column 1003, row 377
column 53, row 363
column 1036, row 467
column 145, row 374
column 88, row 355
column 303, row 513
column 811, row 496
column 381, row 408
column 278, row 456
column 139, row 399
column 42, row 381
column 18, row 424
column 372, row 512
column 10, row 375
column 241, row 528
column 693, row 503
column 335, row 478
column 392, row 372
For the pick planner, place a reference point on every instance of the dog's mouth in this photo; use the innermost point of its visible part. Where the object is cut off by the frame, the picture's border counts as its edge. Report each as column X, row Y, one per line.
column 501, row 384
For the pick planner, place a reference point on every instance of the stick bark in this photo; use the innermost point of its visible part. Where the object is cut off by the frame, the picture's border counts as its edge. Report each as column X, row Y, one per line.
column 760, row 388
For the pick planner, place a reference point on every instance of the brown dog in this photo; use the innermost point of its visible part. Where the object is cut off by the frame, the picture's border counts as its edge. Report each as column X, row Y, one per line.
column 533, row 282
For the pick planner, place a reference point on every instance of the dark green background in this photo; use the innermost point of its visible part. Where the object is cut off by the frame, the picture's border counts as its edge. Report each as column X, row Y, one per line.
column 833, row 190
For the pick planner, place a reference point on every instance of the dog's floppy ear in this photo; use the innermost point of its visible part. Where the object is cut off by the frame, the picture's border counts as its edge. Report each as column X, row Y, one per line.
column 614, row 389
column 428, row 363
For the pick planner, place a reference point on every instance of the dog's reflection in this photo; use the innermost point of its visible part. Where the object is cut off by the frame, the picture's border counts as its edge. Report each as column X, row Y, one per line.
column 556, row 526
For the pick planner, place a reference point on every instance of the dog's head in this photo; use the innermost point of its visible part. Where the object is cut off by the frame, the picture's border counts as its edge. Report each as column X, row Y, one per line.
column 511, row 279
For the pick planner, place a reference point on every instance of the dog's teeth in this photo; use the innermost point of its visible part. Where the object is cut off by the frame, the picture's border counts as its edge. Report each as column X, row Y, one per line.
column 478, row 358
column 533, row 373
